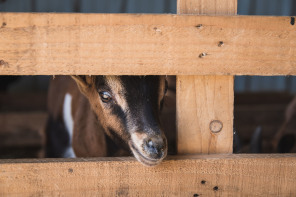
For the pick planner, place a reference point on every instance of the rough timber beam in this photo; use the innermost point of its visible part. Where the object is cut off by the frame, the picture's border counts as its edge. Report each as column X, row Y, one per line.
column 205, row 119
column 138, row 44
column 205, row 175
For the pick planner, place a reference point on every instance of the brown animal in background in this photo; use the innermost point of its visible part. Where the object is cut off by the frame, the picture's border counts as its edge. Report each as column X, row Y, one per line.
column 101, row 116
column 285, row 139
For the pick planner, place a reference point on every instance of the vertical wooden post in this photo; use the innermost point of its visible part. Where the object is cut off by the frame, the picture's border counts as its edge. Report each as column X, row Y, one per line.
column 205, row 103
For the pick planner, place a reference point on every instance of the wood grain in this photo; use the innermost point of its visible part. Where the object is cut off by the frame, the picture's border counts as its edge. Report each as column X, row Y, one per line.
column 209, row 7
column 138, row 44
column 202, row 100
column 232, row 175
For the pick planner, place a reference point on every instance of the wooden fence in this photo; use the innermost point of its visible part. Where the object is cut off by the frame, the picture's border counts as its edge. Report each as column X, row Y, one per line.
column 204, row 51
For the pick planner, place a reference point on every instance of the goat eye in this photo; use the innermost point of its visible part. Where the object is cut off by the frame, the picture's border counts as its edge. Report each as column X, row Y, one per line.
column 105, row 96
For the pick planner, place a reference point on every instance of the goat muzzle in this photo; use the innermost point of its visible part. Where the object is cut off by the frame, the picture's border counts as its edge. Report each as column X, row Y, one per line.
column 149, row 150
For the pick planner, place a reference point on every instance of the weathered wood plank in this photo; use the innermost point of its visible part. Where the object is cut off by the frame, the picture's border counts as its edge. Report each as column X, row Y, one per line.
column 200, row 101
column 205, row 102
column 223, row 175
column 215, row 7
column 126, row 44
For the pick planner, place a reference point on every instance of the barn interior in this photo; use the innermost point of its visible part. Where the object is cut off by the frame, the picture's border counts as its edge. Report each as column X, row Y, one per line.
column 260, row 102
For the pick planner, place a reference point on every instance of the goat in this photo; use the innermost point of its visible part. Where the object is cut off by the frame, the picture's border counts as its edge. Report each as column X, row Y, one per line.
column 101, row 116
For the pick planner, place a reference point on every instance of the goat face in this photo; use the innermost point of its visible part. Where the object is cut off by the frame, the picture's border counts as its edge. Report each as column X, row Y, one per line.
column 128, row 108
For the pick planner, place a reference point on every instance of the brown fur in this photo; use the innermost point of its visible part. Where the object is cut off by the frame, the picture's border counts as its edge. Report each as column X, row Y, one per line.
column 288, row 127
column 92, row 141
column 85, row 143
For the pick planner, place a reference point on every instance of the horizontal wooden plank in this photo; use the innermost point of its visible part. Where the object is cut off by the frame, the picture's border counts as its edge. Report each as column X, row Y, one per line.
column 138, row 44
column 205, row 175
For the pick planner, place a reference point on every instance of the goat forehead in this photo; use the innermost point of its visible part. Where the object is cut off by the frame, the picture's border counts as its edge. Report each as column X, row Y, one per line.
column 140, row 86
column 130, row 84
column 115, row 84
column 118, row 90
column 141, row 92
column 133, row 93
column 142, row 99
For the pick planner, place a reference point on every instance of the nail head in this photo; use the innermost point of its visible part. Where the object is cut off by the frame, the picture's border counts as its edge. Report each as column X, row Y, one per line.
column 220, row 44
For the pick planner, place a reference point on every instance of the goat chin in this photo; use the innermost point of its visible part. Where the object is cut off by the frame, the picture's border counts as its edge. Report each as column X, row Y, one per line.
column 143, row 159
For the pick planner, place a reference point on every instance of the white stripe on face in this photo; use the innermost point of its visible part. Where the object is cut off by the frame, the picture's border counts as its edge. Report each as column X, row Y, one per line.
column 118, row 91
column 68, row 121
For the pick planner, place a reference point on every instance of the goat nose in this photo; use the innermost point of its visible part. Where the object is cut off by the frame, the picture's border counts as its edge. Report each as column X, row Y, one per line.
column 154, row 148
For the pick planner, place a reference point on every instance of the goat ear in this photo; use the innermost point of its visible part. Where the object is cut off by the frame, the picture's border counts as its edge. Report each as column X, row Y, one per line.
column 83, row 82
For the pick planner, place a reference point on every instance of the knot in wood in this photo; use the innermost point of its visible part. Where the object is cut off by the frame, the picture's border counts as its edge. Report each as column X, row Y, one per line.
column 216, row 126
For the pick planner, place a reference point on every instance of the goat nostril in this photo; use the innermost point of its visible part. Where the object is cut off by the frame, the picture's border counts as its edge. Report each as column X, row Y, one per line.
column 150, row 143
column 154, row 149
